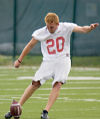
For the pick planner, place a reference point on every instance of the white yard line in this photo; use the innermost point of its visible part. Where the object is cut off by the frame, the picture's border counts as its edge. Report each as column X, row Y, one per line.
column 60, row 98
column 35, row 67
column 69, row 78
column 86, row 68
column 65, row 94
column 25, row 78
column 5, row 99
column 22, row 67
column 84, row 82
column 71, row 109
column 84, row 78
column 62, row 94
column 69, row 88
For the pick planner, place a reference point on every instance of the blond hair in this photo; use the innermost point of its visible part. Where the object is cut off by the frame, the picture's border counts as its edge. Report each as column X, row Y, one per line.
column 51, row 18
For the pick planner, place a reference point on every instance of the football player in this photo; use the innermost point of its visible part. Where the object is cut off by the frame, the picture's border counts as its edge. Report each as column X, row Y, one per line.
column 55, row 47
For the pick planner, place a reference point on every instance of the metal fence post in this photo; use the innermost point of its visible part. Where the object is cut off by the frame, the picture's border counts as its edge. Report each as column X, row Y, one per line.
column 14, row 28
column 73, row 35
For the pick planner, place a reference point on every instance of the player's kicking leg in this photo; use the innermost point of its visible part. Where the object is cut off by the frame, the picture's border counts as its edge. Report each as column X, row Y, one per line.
column 27, row 93
column 52, row 98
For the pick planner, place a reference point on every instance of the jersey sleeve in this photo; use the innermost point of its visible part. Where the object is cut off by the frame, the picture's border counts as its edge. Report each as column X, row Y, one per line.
column 40, row 34
column 35, row 34
column 70, row 26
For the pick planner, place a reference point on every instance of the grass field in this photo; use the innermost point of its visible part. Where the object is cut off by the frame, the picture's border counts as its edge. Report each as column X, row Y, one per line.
column 79, row 98
column 86, row 61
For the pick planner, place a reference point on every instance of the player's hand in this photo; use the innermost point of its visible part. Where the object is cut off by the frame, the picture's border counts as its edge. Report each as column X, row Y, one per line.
column 17, row 63
column 93, row 26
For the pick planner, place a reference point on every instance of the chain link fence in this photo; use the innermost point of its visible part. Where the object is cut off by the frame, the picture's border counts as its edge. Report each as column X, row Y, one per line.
column 30, row 16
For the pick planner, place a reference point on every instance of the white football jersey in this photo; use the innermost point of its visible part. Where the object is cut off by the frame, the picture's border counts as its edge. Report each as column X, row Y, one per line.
column 55, row 45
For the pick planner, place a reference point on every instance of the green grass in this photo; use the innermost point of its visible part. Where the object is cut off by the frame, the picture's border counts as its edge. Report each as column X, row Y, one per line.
column 5, row 60
column 93, row 61
column 79, row 99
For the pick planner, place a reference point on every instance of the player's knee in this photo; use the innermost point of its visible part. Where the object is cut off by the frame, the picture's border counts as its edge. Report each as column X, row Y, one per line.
column 58, row 85
column 36, row 84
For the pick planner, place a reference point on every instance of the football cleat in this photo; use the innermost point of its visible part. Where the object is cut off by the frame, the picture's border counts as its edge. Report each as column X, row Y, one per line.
column 44, row 115
column 8, row 115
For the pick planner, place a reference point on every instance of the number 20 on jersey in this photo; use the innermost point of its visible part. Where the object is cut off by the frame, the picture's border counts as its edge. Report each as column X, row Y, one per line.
column 59, row 42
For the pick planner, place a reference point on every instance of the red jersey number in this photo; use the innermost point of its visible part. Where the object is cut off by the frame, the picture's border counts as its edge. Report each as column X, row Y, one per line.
column 52, row 43
column 50, row 46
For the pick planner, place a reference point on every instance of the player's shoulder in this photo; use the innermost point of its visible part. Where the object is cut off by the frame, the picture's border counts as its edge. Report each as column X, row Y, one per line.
column 40, row 34
column 40, row 30
column 66, row 24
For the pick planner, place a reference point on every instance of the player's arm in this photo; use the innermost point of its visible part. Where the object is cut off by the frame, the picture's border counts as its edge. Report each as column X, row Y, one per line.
column 85, row 29
column 25, row 51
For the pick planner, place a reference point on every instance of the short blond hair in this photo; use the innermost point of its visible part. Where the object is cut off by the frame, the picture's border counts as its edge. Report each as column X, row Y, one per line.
column 51, row 18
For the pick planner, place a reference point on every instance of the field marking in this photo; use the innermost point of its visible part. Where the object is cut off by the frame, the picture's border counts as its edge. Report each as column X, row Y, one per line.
column 37, row 95
column 85, row 68
column 60, row 98
column 35, row 67
column 69, row 99
column 84, row 78
column 85, row 88
column 83, row 82
column 8, row 79
column 25, row 78
column 5, row 99
column 65, row 94
column 22, row 67
column 65, row 99
column 69, row 78
column 62, row 94
column 8, row 95
column 69, row 88
column 48, row 83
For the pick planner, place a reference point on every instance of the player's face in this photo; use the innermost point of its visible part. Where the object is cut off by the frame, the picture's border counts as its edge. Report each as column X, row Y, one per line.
column 52, row 27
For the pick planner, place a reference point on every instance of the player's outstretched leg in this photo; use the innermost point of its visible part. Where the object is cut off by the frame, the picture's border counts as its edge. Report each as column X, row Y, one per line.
column 29, row 91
